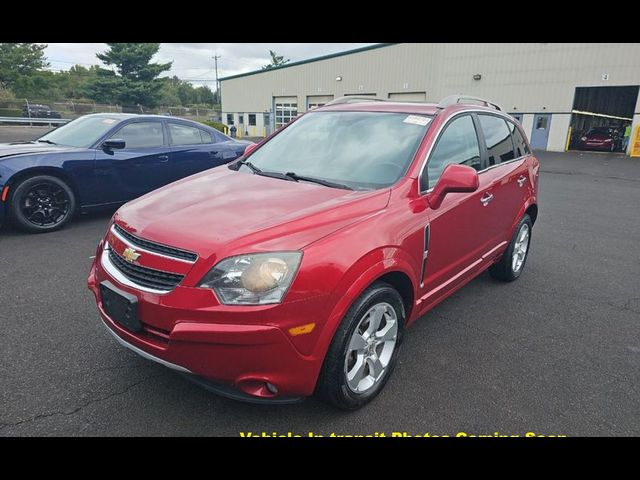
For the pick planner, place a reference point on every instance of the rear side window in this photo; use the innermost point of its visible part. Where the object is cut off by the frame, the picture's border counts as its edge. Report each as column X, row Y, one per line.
column 498, row 139
column 458, row 143
column 141, row 135
column 519, row 142
column 184, row 135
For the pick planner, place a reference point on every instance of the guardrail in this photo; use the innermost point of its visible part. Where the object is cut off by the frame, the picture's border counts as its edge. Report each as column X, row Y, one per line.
column 28, row 121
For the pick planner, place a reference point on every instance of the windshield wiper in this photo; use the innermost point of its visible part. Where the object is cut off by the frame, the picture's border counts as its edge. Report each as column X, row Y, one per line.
column 319, row 181
column 258, row 171
column 47, row 141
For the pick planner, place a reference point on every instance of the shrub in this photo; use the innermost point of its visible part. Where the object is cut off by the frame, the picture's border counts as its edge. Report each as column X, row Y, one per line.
column 10, row 112
column 217, row 125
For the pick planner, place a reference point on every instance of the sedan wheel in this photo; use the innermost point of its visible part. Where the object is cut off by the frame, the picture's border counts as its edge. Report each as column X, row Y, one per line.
column 42, row 203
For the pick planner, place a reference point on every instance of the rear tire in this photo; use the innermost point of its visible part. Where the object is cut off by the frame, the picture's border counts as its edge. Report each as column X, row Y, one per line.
column 42, row 203
column 364, row 349
column 512, row 263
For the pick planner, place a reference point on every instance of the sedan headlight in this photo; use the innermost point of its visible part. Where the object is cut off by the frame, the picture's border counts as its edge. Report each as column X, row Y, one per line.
column 253, row 279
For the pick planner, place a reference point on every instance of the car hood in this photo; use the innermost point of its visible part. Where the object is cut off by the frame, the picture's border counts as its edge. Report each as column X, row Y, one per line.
column 221, row 211
column 597, row 137
column 25, row 148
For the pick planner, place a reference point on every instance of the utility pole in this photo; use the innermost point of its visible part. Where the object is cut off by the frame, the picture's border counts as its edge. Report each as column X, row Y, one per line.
column 215, row 59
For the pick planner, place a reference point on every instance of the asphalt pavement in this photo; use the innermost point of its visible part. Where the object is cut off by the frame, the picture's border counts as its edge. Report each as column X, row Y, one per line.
column 556, row 352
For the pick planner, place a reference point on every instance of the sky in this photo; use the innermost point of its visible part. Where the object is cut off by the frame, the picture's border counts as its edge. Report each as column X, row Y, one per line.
column 194, row 62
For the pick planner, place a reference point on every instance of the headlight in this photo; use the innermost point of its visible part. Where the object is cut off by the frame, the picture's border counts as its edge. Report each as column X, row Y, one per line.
column 253, row 279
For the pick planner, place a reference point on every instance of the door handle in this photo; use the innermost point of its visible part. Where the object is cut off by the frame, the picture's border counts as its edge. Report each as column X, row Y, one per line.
column 486, row 199
column 521, row 180
column 213, row 154
column 163, row 158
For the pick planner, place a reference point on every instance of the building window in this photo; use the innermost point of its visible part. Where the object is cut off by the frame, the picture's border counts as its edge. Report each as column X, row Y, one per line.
column 316, row 105
column 241, row 119
column 229, row 118
column 285, row 112
column 252, row 119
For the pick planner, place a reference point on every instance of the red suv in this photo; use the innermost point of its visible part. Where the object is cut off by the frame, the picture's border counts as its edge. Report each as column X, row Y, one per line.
column 298, row 268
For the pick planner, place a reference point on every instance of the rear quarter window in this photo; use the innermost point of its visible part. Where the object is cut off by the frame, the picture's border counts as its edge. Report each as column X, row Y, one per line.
column 497, row 137
column 519, row 142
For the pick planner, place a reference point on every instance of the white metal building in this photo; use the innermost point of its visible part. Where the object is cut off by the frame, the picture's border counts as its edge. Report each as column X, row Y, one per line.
column 547, row 86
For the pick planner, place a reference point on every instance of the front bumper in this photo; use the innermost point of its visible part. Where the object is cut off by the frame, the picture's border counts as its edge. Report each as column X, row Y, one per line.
column 233, row 359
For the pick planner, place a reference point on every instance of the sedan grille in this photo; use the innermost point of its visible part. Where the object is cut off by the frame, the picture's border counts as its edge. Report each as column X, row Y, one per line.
column 146, row 277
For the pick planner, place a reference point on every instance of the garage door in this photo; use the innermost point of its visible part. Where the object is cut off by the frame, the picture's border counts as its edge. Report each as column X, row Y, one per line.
column 408, row 97
column 286, row 109
column 315, row 101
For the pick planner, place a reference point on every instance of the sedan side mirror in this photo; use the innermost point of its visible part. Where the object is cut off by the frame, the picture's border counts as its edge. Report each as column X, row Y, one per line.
column 114, row 144
column 250, row 148
column 455, row 178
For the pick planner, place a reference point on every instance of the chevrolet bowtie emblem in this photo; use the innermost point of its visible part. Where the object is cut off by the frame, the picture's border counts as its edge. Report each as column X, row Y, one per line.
column 130, row 255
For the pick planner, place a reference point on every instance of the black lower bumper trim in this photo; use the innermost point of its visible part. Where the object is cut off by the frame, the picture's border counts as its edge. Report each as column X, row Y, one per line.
column 234, row 394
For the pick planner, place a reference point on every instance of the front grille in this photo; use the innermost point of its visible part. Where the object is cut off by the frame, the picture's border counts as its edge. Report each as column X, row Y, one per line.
column 155, row 247
column 143, row 276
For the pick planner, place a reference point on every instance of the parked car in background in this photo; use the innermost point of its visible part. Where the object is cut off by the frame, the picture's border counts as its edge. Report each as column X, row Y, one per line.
column 601, row 138
column 298, row 268
column 35, row 110
column 100, row 160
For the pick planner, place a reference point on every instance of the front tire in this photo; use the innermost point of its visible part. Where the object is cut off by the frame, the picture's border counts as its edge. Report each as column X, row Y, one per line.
column 364, row 349
column 42, row 203
column 511, row 265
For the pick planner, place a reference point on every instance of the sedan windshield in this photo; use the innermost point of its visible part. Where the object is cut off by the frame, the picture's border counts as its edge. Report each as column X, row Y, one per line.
column 360, row 150
column 81, row 132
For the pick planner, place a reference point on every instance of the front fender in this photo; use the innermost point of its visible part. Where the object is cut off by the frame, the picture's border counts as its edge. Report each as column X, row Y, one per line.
column 364, row 273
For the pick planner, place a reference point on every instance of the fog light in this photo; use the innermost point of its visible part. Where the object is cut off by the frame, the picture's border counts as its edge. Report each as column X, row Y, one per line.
column 272, row 388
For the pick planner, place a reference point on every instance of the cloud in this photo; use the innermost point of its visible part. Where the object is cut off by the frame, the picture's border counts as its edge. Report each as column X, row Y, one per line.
column 194, row 62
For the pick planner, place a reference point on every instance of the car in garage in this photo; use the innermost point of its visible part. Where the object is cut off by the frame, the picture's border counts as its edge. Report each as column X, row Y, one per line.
column 101, row 160
column 601, row 138
column 296, row 269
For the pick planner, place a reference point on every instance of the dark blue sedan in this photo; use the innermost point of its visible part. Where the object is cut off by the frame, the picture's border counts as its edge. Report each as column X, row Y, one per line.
column 100, row 160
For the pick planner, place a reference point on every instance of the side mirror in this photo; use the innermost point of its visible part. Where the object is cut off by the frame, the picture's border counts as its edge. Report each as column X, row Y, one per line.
column 113, row 144
column 455, row 178
column 250, row 148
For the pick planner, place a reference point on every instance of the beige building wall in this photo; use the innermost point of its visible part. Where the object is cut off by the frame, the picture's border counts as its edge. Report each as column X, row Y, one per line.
column 522, row 77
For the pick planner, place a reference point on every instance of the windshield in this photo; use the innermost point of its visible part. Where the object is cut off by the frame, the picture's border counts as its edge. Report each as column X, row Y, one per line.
column 600, row 131
column 362, row 150
column 81, row 132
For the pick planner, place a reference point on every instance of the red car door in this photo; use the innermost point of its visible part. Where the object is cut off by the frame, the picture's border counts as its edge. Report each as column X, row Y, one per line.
column 509, row 174
column 458, row 236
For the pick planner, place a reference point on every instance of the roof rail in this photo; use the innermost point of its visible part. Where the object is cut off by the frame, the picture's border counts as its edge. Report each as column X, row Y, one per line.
column 455, row 99
column 353, row 99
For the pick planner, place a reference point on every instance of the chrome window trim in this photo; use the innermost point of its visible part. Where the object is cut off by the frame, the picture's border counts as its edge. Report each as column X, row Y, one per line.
column 150, row 252
column 121, row 278
column 439, row 132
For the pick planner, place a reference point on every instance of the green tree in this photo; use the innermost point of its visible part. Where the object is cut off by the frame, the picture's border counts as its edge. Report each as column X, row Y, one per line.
column 204, row 95
column 276, row 60
column 136, row 82
column 102, row 86
column 20, row 60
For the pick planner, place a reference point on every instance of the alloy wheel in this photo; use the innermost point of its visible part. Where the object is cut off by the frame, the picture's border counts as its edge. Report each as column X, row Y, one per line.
column 45, row 204
column 371, row 348
column 520, row 248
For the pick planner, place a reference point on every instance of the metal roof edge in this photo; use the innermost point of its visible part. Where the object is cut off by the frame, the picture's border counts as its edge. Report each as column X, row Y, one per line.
column 310, row 60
